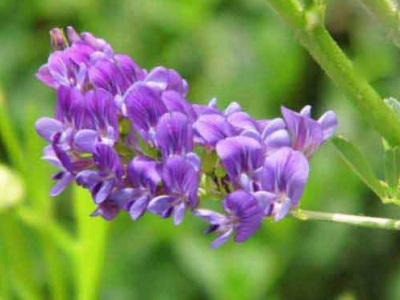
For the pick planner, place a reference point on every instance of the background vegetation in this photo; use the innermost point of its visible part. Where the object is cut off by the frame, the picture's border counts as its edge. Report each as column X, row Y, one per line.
column 236, row 50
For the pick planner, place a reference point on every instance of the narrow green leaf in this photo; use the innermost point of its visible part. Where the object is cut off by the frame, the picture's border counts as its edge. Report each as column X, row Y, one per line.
column 357, row 162
column 92, row 242
column 392, row 170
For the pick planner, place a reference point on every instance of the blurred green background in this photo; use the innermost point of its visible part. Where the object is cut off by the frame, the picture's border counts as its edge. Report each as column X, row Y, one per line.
column 235, row 50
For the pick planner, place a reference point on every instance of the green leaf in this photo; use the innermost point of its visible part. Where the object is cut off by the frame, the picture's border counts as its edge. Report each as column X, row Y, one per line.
column 357, row 162
column 392, row 170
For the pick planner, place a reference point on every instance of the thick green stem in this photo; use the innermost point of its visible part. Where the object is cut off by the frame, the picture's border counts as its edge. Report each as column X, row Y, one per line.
column 387, row 13
column 309, row 28
column 361, row 221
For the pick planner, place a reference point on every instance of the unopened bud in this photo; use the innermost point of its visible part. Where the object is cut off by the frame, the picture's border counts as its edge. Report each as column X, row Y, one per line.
column 57, row 39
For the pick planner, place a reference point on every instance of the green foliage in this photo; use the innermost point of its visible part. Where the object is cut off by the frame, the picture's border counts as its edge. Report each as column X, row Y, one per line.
column 359, row 164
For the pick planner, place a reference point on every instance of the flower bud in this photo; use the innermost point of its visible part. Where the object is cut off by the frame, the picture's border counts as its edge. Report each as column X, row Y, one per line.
column 57, row 39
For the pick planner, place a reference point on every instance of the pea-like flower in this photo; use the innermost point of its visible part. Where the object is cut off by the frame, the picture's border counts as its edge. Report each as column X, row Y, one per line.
column 244, row 218
column 135, row 142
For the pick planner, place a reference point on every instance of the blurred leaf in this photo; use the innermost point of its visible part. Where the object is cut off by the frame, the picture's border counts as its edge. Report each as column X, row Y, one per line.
column 392, row 170
column 357, row 162
column 235, row 271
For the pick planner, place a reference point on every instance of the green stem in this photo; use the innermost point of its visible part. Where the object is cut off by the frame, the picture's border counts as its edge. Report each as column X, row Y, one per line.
column 89, row 257
column 309, row 28
column 387, row 13
column 362, row 221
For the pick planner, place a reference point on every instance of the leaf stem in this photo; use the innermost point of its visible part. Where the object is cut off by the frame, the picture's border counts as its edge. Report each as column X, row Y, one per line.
column 361, row 221
column 309, row 28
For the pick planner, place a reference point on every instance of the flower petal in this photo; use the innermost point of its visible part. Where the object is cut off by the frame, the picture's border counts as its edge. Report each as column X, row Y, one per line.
column 85, row 140
column 47, row 127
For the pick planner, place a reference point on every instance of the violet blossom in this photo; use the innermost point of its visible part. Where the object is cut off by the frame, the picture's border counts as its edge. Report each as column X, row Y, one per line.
column 135, row 142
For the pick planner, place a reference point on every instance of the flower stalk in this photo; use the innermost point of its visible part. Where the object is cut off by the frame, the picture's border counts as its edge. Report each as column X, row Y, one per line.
column 361, row 221
column 318, row 42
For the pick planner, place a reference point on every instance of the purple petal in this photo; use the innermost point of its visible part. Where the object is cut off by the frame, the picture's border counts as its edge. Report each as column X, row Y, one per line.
column 306, row 111
column 180, row 177
column 210, row 216
column 242, row 121
column 85, row 140
column 277, row 140
column 104, row 191
column 72, row 35
column 61, row 185
column 162, row 79
column 306, row 133
column 232, row 108
column 107, row 159
column 222, row 238
column 179, row 213
column 285, row 171
column 144, row 171
column 265, row 200
column 239, row 154
column 161, row 205
column 212, row 128
column 47, row 127
column 272, row 126
column 174, row 134
column 131, row 71
column 175, row 102
column 282, row 209
column 106, row 75
column 108, row 210
column 139, row 207
column 329, row 122
column 46, row 77
column 144, row 107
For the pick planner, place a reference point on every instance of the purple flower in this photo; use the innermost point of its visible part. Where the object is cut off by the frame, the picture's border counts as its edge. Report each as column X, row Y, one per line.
column 102, row 121
column 212, row 128
column 65, row 68
column 144, row 176
column 63, row 177
column 108, row 209
column 241, row 157
column 174, row 134
column 163, row 79
column 115, row 76
column 275, row 135
column 144, row 108
column 101, row 182
column 244, row 218
column 175, row 102
column 283, row 179
column 71, row 108
column 180, row 182
column 307, row 134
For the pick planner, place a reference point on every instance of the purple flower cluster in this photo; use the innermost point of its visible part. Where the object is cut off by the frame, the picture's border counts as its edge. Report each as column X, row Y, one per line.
column 137, row 144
